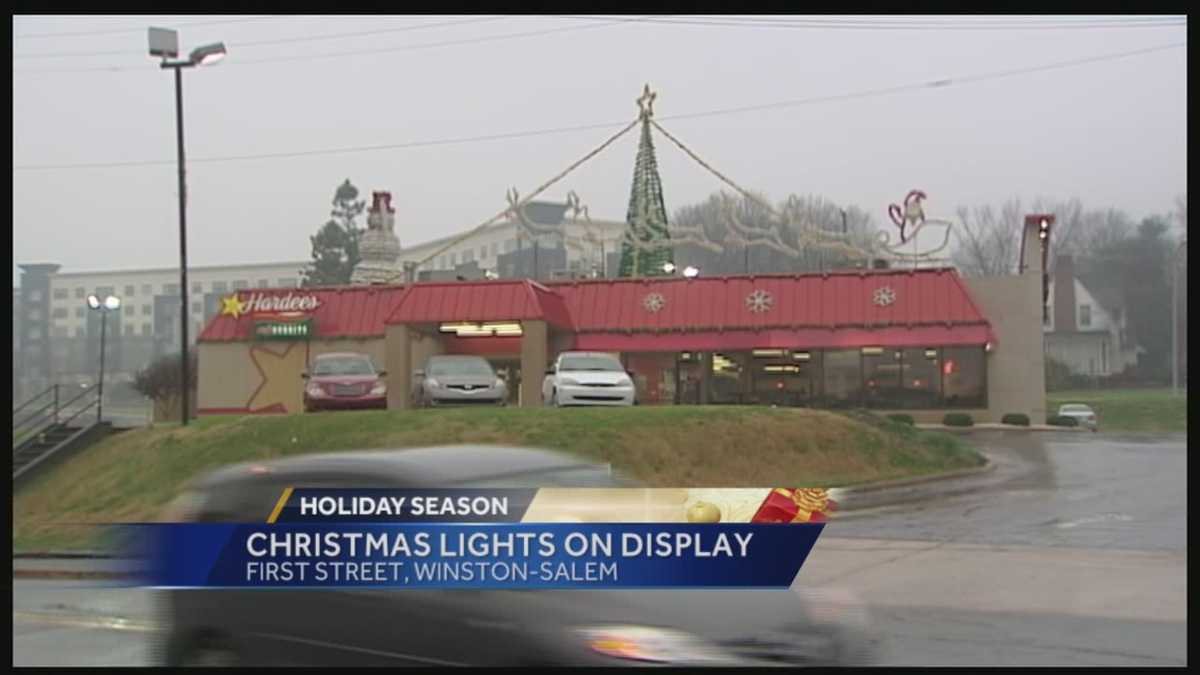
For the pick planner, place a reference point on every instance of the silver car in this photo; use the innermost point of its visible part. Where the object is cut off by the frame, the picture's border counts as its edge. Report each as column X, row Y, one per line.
column 1081, row 413
column 458, row 380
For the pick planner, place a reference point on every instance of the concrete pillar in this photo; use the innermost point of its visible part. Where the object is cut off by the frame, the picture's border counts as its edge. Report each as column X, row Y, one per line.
column 706, row 366
column 534, row 361
column 398, row 360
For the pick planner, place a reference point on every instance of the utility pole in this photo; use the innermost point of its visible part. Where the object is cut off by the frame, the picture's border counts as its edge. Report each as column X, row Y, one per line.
column 1175, row 316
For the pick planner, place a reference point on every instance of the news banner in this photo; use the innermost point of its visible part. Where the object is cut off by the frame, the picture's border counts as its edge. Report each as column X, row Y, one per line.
column 497, row 539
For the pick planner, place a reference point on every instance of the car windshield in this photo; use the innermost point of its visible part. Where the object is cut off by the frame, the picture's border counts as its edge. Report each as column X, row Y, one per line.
column 600, row 363
column 445, row 367
column 343, row 365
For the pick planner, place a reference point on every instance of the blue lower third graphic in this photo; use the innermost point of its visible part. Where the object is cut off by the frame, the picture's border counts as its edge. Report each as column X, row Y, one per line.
column 491, row 556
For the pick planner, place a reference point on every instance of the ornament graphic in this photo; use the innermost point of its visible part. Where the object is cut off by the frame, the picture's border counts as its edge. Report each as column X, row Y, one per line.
column 884, row 296
column 759, row 301
column 654, row 302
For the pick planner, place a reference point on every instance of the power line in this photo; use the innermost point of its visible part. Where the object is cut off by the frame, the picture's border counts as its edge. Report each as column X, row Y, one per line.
column 255, row 43
column 867, row 93
column 381, row 50
column 857, row 24
column 117, row 31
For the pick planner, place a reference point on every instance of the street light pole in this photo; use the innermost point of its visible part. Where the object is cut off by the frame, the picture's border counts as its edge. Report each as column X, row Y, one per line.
column 100, row 396
column 184, row 319
column 165, row 44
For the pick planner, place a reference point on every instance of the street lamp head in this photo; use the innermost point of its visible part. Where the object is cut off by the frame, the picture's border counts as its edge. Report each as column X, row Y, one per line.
column 691, row 272
column 164, row 43
column 112, row 303
column 208, row 54
column 93, row 302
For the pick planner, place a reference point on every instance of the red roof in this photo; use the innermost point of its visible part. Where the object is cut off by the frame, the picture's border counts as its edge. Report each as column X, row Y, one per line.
column 840, row 309
column 517, row 300
column 834, row 300
column 350, row 312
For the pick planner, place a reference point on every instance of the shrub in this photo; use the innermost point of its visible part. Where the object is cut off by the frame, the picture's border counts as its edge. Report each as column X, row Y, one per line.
column 958, row 420
column 1015, row 419
column 902, row 418
column 1062, row 421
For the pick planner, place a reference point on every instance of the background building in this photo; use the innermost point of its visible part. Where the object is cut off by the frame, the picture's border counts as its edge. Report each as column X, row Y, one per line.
column 1086, row 328
column 59, row 337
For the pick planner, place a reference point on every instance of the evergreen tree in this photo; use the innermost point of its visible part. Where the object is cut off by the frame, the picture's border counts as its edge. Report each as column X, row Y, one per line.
column 646, row 220
column 335, row 246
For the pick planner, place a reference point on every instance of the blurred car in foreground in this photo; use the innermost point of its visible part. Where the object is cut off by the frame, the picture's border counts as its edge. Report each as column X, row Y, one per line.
column 458, row 380
column 344, row 381
column 588, row 378
column 1080, row 413
column 468, row 627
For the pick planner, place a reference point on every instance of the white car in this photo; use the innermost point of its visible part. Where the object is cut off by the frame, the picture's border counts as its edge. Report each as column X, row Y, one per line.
column 587, row 378
column 1082, row 413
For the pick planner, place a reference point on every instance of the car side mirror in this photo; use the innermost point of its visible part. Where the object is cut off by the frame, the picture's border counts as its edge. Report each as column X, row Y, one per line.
column 630, row 374
column 549, row 371
column 382, row 373
column 304, row 376
column 418, row 373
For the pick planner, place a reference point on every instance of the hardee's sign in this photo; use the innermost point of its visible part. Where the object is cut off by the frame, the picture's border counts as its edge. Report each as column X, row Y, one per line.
column 262, row 303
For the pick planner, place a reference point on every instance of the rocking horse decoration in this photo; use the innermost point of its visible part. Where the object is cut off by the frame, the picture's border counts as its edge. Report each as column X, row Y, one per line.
column 910, row 220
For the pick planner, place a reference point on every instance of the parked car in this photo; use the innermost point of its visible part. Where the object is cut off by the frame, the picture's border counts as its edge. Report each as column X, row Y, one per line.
column 1082, row 413
column 458, row 380
column 588, row 378
column 344, row 381
column 441, row 627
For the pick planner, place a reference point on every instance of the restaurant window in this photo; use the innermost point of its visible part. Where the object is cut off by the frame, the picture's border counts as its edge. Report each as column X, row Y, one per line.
column 170, row 289
column 964, row 377
column 58, row 313
column 197, row 288
column 881, row 377
column 219, row 286
column 725, row 382
column 843, row 378
column 920, row 384
column 60, row 294
column 240, row 284
column 129, row 290
column 791, row 379
column 145, row 310
column 146, row 329
column 1085, row 315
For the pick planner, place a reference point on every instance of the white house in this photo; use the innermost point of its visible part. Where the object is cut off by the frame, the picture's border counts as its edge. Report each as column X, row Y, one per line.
column 1081, row 331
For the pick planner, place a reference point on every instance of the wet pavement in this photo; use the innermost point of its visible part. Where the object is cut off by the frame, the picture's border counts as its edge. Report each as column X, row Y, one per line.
column 1072, row 551
column 1094, row 491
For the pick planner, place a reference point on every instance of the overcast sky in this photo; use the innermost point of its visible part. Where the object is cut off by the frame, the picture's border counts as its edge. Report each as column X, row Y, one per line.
column 1112, row 132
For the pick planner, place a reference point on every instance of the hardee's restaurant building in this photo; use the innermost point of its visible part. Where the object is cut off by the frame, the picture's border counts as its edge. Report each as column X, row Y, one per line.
column 919, row 341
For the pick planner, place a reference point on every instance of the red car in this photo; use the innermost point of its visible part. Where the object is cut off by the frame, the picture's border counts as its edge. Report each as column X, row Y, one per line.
column 344, row 381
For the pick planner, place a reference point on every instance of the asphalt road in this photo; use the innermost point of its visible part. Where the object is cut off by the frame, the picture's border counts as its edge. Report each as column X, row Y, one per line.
column 1072, row 552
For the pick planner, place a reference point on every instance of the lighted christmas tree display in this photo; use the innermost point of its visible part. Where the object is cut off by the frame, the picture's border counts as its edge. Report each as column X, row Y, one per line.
column 647, row 247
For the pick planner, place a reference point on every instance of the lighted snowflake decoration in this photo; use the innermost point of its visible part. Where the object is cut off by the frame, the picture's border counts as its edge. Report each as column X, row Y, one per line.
column 654, row 302
column 759, row 301
column 884, row 296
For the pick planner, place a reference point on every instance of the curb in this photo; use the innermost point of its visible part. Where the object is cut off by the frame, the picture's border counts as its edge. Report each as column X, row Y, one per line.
column 62, row 555
column 70, row 574
column 987, row 466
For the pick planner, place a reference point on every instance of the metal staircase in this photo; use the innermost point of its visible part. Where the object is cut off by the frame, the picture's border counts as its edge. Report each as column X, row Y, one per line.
column 45, row 426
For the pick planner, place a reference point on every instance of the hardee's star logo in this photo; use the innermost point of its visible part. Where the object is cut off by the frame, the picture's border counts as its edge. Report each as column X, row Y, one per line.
column 232, row 306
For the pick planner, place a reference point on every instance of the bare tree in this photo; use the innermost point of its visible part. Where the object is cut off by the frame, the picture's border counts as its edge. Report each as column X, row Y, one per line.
column 988, row 239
